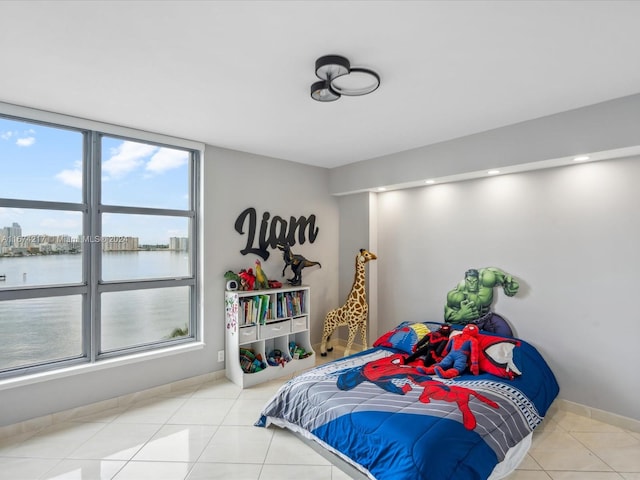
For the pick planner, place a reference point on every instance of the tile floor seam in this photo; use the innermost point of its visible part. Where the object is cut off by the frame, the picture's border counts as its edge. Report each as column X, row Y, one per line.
column 594, row 453
column 204, row 448
column 115, row 474
column 53, row 467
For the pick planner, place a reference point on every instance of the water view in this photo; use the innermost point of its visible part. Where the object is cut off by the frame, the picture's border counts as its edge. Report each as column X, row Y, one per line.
column 45, row 329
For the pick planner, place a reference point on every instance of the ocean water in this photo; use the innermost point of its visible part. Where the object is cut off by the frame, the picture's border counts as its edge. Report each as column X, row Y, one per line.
column 39, row 330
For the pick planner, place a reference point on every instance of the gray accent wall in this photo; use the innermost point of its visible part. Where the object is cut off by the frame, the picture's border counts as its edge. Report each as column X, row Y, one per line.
column 235, row 181
column 358, row 229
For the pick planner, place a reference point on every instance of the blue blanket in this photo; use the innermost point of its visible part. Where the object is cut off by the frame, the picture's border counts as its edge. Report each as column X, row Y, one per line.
column 393, row 422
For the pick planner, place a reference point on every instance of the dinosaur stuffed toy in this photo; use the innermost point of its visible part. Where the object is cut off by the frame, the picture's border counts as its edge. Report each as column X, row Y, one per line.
column 462, row 351
column 295, row 262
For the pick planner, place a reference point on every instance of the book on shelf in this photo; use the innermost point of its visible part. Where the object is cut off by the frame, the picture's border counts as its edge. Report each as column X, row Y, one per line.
column 281, row 306
column 264, row 308
column 260, row 308
column 255, row 310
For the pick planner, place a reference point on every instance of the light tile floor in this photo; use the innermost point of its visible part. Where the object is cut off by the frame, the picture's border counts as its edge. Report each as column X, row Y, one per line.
column 206, row 432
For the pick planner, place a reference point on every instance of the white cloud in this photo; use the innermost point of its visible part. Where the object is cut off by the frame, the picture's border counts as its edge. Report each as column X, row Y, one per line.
column 126, row 158
column 166, row 159
column 25, row 141
column 26, row 138
column 73, row 178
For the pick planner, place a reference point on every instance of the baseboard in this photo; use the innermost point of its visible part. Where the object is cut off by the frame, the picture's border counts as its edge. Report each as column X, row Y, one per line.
column 340, row 342
column 38, row 423
column 596, row 414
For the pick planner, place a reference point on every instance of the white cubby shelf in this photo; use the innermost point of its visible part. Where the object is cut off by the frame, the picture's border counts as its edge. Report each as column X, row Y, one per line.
column 263, row 321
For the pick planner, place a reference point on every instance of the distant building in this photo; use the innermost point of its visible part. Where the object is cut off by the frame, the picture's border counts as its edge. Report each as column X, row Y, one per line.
column 46, row 248
column 10, row 234
column 179, row 244
column 119, row 244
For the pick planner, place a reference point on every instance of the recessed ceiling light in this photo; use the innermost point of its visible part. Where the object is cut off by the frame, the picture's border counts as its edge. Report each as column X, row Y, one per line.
column 493, row 172
column 381, row 189
column 429, row 182
column 581, row 158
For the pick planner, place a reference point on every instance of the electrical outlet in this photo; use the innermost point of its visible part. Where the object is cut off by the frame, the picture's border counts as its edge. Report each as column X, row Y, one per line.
column 221, row 356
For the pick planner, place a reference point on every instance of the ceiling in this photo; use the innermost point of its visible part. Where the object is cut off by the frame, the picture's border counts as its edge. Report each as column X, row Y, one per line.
column 236, row 74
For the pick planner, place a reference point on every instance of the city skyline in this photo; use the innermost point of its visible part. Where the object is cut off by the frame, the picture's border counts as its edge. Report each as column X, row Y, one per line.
column 12, row 241
column 44, row 163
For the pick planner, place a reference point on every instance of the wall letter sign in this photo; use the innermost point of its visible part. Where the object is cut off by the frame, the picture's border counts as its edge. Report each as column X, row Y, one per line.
column 278, row 231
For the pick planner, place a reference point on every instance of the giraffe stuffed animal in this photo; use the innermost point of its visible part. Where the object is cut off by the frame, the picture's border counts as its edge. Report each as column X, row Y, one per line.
column 353, row 313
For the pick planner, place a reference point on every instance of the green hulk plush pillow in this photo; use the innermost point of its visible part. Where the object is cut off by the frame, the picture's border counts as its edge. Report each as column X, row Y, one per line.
column 470, row 301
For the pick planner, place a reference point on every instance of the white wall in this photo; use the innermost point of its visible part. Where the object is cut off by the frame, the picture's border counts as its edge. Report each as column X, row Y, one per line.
column 231, row 181
column 570, row 235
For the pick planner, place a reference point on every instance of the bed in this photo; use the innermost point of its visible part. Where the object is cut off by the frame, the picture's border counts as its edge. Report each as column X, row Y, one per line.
column 391, row 421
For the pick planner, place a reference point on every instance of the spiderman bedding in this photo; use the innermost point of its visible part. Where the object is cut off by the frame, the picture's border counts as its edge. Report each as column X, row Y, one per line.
column 392, row 421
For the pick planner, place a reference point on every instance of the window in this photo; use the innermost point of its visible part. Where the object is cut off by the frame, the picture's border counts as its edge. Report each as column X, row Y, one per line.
column 97, row 244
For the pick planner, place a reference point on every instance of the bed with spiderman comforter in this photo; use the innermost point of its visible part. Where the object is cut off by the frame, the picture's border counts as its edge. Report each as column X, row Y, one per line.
column 393, row 421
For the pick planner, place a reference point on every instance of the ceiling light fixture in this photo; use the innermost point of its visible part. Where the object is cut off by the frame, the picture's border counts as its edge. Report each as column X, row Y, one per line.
column 339, row 78
column 581, row 158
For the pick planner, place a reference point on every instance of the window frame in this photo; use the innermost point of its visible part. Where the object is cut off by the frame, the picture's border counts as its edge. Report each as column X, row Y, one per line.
column 91, row 286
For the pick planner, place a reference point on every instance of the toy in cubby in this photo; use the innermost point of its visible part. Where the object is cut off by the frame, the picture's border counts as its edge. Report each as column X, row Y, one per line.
column 250, row 362
column 277, row 357
column 297, row 352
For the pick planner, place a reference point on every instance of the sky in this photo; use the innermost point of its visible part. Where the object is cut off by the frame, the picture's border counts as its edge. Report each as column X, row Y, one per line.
column 40, row 162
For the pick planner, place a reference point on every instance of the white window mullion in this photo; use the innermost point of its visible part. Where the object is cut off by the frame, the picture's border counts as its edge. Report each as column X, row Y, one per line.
column 93, row 261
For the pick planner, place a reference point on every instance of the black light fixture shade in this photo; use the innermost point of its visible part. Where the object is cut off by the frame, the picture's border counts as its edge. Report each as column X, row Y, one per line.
column 322, row 92
column 339, row 78
column 332, row 66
